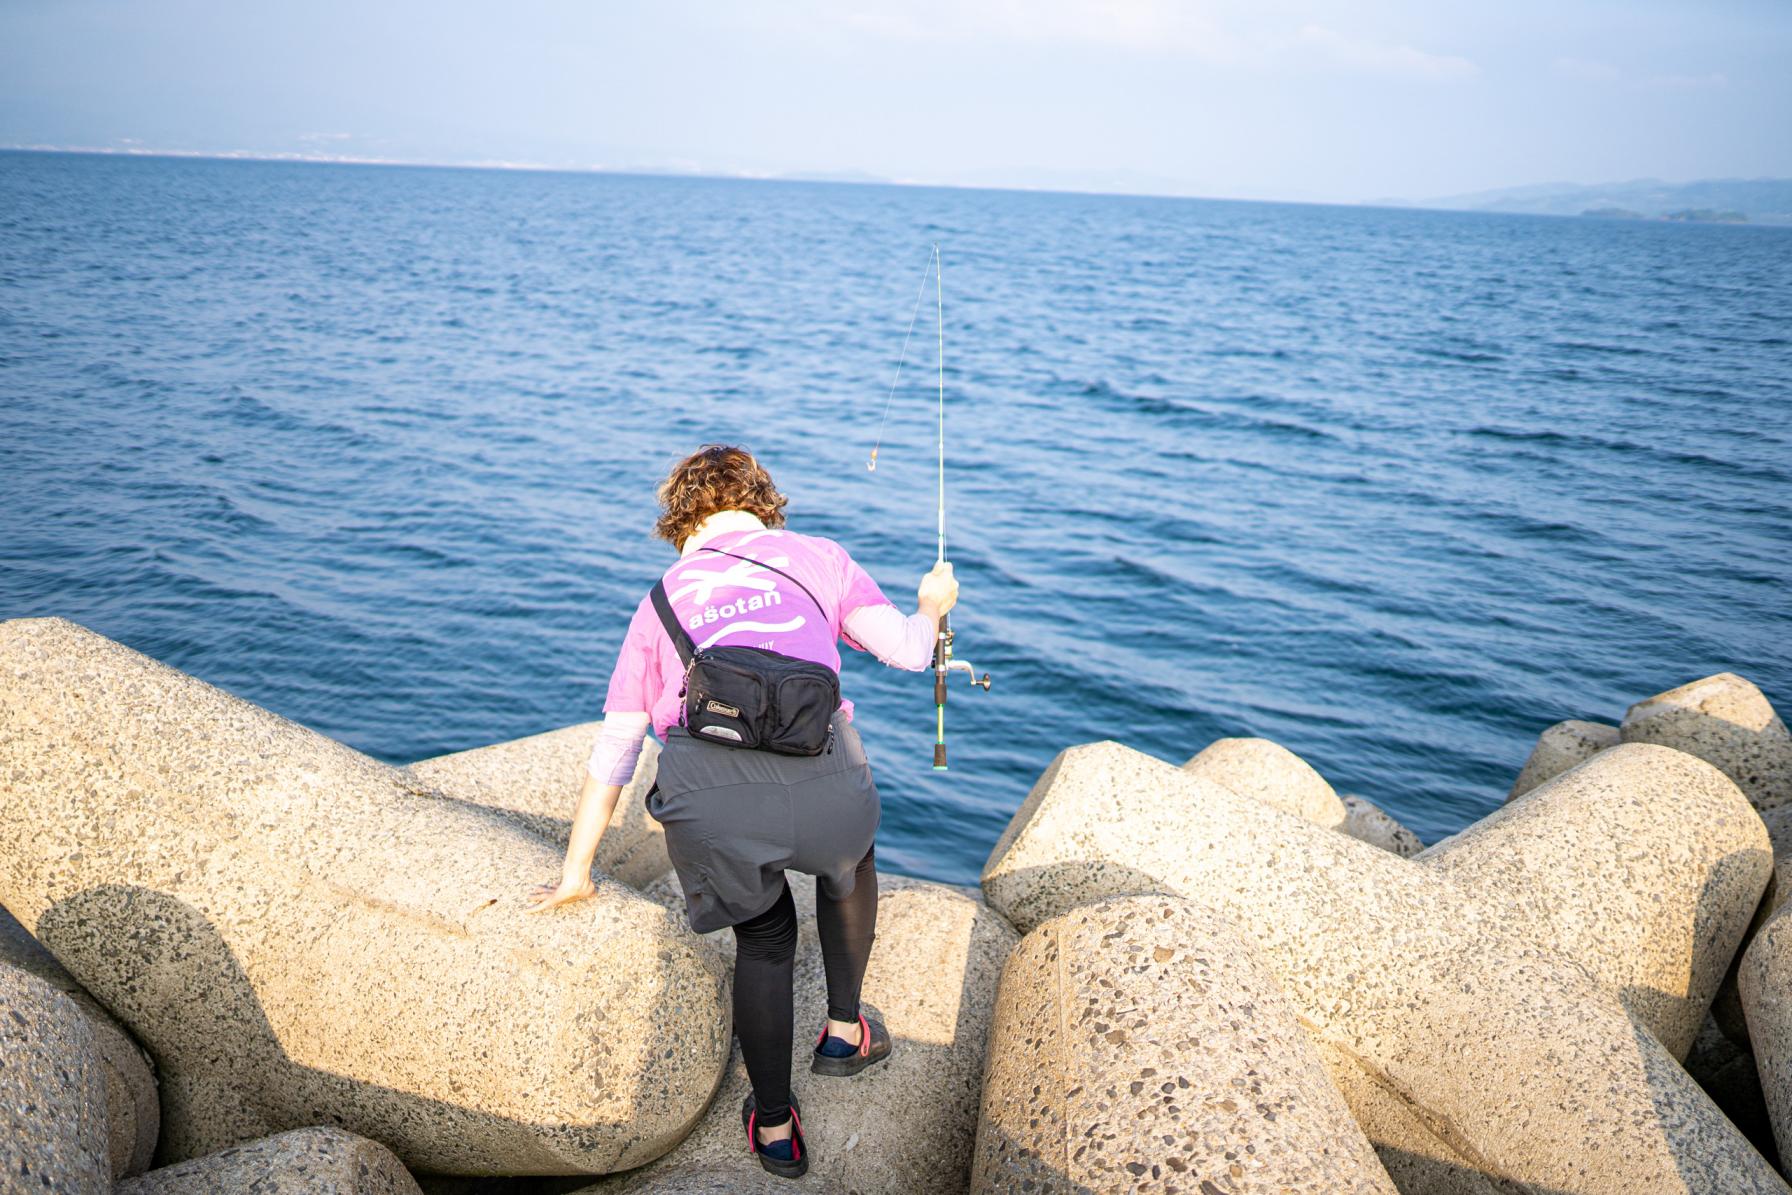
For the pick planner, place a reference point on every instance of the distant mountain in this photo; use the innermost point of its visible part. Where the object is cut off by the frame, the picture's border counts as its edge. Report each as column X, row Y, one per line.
column 1092, row 181
column 1758, row 200
column 830, row 176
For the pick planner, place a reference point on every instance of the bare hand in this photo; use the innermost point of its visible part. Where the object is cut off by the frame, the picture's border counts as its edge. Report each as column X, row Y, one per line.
column 552, row 896
column 939, row 589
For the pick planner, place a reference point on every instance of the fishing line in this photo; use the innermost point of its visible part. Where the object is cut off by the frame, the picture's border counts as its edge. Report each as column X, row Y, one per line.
column 939, row 300
column 944, row 665
column 903, row 356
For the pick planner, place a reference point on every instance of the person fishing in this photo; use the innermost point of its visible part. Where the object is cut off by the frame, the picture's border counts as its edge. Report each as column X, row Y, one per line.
column 733, row 660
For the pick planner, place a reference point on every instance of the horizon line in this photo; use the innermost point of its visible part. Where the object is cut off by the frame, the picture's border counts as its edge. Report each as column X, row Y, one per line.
column 650, row 171
column 297, row 157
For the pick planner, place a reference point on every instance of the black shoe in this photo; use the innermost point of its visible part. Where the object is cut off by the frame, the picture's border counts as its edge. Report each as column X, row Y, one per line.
column 873, row 1048
column 794, row 1166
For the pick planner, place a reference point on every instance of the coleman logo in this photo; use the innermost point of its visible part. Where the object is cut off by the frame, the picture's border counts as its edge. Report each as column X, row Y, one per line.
column 722, row 708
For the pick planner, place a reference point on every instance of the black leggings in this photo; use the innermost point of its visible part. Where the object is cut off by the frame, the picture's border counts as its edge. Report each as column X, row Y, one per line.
column 765, row 955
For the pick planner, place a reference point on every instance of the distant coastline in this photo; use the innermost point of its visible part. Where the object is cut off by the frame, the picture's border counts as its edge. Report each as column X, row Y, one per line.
column 1704, row 201
column 1685, row 216
column 1719, row 201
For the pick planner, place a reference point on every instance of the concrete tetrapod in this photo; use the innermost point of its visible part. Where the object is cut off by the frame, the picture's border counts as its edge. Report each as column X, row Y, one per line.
column 314, row 1161
column 1727, row 1008
column 1726, row 721
column 536, row 780
column 1729, row 1076
column 1272, row 774
column 1418, row 1161
column 906, row 1124
column 1643, row 865
column 133, row 1109
column 1367, row 821
column 298, row 937
column 1559, row 748
column 52, row 1092
column 1436, row 993
column 1139, row 1045
column 1765, row 979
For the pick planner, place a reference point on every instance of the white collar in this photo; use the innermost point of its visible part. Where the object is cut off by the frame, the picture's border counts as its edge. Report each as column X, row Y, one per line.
column 720, row 523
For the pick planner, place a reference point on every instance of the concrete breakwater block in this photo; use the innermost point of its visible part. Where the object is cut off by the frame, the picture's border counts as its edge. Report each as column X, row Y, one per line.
column 536, row 780
column 52, row 1092
column 1729, row 1076
column 1366, row 821
column 314, row 1161
column 297, row 936
column 906, row 1124
column 1560, row 747
column 1415, row 1157
column 1765, row 980
column 1643, row 865
column 1778, row 821
column 1727, row 722
column 1512, row 1054
column 1138, row 1044
column 1269, row 772
column 133, row 1109
column 731, row 1178
column 1272, row 774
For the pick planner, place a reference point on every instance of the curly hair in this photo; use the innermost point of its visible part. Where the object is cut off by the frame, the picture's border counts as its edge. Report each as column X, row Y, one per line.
column 715, row 477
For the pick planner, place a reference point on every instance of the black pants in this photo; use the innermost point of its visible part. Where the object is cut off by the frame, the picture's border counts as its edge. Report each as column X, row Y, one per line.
column 765, row 957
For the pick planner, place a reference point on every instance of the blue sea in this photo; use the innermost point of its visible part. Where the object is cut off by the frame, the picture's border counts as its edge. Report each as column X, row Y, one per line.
column 376, row 448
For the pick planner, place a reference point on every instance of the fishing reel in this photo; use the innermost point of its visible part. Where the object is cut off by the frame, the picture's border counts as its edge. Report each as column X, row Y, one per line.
column 953, row 665
column 943, row 667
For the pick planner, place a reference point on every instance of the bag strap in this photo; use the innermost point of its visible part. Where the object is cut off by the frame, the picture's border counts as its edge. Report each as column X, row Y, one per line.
column 681, row 639
column 762, row 564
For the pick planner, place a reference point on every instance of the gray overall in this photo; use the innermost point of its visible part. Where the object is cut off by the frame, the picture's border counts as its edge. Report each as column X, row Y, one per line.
column 735, row 819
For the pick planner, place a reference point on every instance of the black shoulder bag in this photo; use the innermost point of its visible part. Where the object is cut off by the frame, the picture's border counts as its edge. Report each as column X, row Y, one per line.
column 752, row 696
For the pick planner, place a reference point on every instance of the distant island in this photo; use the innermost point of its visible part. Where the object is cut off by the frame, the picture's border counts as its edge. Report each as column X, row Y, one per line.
column 1701, row 215
column 1706, row 201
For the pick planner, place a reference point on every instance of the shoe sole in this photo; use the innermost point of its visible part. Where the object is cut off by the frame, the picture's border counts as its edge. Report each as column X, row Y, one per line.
column 794, row 1169
column 844, row 1068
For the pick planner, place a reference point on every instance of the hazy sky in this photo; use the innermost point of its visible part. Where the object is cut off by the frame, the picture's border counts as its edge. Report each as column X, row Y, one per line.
column 1249, row 98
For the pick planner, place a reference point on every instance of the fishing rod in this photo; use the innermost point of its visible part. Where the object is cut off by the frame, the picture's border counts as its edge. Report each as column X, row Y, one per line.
column 944, row 664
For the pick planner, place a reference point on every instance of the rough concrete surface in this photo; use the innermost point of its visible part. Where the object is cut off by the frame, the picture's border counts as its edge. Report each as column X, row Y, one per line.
column 52, row 1092
column 1727, row 722
column 313, row 1161
column 1416, row 1159
column 1728, row 1074
column 1367, row 822
column 298, row 937
column 1272, row 774
column 537, row 781
column 733, row 1177
column 1765, row 980
column 1560, row 747
column 1438, row 993
column 133, row 1108
column 1138, row 1045
column 907, row 1123
column 1727, row 1007
column 1278, row 777
column 1643, row 865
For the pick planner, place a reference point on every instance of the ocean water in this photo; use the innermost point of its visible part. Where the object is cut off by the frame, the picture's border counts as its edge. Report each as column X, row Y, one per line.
column 376, row 448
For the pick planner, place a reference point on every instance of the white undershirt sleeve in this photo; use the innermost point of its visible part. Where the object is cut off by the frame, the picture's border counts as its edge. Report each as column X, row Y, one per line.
column 618, row 746
column 900, row 642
